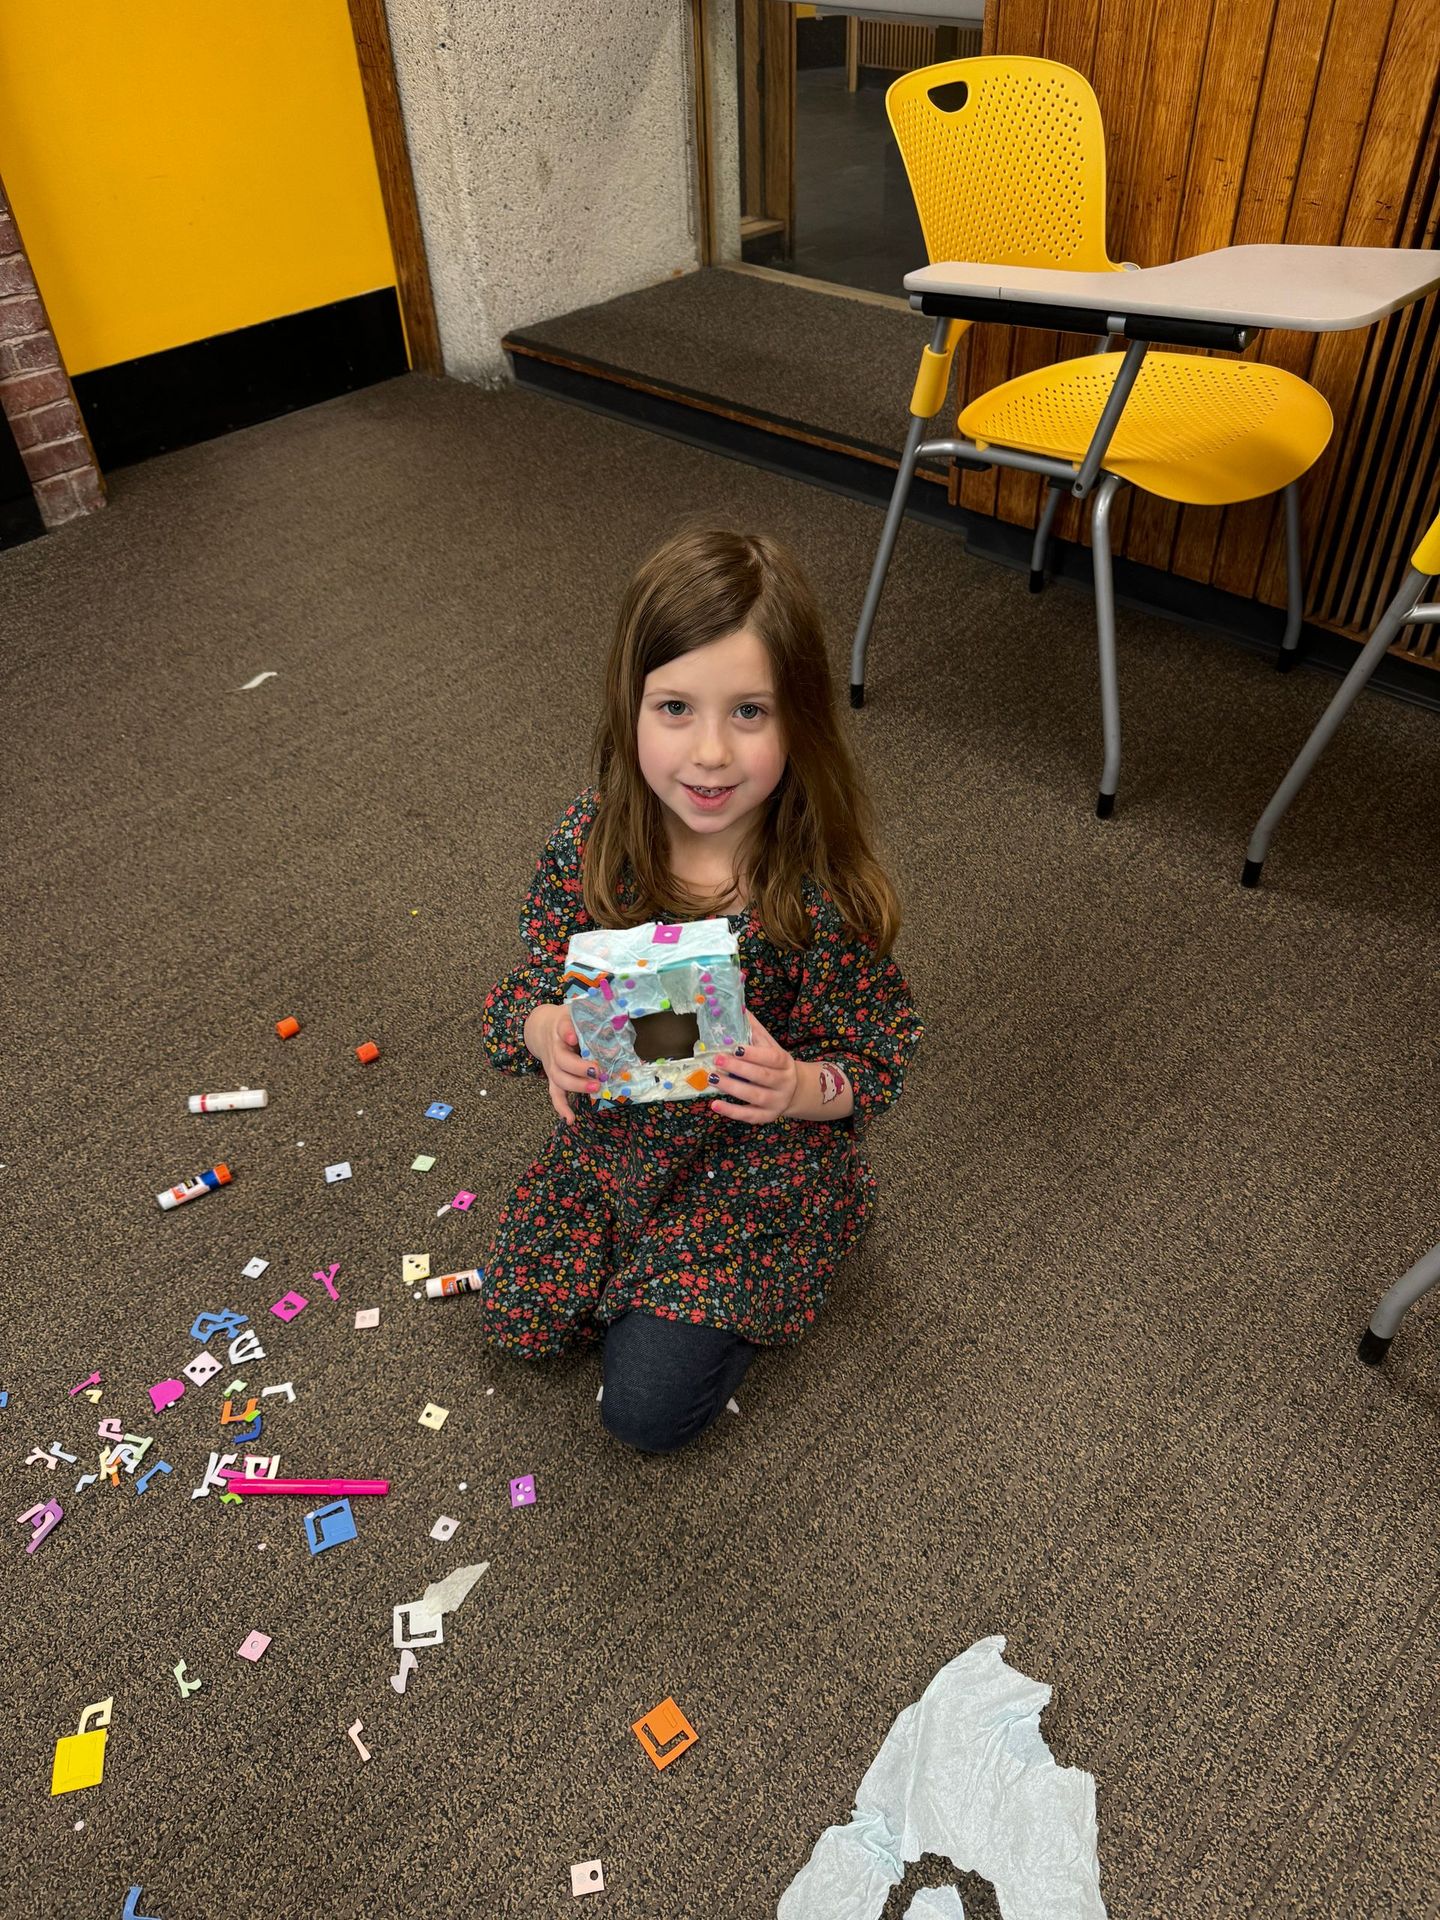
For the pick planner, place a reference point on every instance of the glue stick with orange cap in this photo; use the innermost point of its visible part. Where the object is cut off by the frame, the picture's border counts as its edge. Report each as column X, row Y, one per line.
column 203, row 1183
column 444, row 1286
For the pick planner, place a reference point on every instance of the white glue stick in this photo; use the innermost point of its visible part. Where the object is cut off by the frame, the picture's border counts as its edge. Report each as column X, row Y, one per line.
column 228, row 1102
column 203, row 1183
column 442, row 1286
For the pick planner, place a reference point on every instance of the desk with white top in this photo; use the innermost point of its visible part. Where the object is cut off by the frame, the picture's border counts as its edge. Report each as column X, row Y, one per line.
column 1204, row 301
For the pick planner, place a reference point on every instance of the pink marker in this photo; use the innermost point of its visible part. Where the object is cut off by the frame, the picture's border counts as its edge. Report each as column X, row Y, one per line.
column 324, row 1489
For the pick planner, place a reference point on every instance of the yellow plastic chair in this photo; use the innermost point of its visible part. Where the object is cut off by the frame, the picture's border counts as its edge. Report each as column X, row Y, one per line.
column 1008, row 168
column 1406, row 609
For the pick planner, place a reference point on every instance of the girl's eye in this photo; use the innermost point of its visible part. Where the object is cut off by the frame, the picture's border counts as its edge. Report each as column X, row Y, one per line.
column 750, row 707
column 668, row 704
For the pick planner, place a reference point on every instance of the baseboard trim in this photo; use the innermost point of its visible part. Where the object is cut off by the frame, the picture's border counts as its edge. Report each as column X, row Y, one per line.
column 162, row 401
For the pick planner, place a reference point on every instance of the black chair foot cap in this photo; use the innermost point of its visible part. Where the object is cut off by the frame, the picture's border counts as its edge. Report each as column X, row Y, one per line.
column 1250, row 873
column 857, row 695
column 1372, row 1348
column 1037, row 579
column 1104, row 806
column 1285, row 659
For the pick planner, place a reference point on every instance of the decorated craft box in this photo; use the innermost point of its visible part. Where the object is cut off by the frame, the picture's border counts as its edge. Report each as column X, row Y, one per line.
column 614, row 976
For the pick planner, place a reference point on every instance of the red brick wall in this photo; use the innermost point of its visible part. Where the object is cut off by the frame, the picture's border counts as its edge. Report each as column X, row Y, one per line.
column 35, row 392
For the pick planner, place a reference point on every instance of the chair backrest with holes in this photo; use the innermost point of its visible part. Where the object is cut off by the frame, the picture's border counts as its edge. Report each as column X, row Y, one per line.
column 1008, row 165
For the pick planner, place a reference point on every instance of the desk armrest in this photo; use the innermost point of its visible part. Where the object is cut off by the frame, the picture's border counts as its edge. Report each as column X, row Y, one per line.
column 1158, row 329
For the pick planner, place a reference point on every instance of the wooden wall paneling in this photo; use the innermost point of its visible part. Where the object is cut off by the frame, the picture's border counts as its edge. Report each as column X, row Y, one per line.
column 1071, row 27
column 1284, row 103
column 1405, row 126
column 1404, row 455
column 1254, row 109
column 1370, row 377
column 1334, row 138
column 1412, row 501
column 1391, row 469
column 1151, row 223
column 1377, row 373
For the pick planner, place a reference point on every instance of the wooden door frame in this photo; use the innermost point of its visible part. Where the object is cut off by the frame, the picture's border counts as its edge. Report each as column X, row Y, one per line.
column 769, row 126
column 397, row 184
column 704, row 136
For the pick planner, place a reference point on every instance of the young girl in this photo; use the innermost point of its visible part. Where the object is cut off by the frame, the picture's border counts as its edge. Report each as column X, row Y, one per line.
column 690, row 1233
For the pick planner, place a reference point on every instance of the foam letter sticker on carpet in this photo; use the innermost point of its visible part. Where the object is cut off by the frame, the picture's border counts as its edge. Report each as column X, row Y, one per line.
column 963, row 1772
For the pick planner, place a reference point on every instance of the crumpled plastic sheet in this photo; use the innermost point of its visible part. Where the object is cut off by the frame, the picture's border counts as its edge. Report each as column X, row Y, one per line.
column 963, row 1772
column 420, row 1623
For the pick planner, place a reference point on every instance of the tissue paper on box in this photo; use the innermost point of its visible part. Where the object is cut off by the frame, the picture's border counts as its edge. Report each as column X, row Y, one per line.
column 614, row 976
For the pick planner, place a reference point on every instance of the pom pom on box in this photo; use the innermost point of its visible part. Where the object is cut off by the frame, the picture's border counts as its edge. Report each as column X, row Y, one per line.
column 614, row 976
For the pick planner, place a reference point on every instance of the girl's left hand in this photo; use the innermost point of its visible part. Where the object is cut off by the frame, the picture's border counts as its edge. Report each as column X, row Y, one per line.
column 761, row 1079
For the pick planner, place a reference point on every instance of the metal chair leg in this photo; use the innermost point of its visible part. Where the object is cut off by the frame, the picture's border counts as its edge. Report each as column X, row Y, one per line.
column 1394, row 618
column 1054, row 494
column 893, row 517
column 1294, row 585
column 1105, row 625
column 1385, row 1321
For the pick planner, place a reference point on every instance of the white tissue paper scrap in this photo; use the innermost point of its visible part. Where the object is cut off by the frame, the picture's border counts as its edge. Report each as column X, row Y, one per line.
column 963, row 1772
column 936, row 1903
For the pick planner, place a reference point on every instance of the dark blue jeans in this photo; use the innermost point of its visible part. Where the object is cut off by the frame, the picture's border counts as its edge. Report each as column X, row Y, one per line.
column 666, row 1381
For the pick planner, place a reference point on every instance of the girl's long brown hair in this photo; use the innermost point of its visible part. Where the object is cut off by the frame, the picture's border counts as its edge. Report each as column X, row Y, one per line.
column 703, row 585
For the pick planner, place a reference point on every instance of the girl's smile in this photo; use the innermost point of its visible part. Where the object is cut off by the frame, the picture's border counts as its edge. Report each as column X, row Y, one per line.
column 708, row 799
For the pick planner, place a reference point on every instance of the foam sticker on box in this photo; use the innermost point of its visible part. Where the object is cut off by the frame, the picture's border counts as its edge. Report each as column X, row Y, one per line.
column 614, row 976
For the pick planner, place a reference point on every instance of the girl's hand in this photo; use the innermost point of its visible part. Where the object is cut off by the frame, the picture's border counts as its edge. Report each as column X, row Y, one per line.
column 550, row 1036
column 761, row 1079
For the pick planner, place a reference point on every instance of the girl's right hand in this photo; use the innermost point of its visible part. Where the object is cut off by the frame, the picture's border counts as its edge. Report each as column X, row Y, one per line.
column 550, row 1036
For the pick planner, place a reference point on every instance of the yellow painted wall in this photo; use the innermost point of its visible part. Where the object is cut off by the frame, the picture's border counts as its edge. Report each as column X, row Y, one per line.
column 181, row 168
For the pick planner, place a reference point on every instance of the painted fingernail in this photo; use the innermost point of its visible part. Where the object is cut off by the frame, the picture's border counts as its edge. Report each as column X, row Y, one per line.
column 714, row 1079
column 589, row 1073
column 739, row 1049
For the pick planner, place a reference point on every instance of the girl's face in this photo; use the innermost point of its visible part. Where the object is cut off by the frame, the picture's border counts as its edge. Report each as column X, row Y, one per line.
column 709, row 744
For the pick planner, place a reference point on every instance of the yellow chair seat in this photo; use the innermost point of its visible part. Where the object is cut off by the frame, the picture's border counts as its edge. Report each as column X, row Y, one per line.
column 1205, row 432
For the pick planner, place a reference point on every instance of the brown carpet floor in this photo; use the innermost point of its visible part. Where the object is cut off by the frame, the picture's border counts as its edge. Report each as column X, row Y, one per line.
column 1089, row 1383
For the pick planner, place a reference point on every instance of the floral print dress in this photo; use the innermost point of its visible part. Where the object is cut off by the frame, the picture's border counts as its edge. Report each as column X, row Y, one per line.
column 666, row 1206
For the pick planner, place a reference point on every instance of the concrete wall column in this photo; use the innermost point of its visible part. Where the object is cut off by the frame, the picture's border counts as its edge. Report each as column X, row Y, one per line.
column 553, row 154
